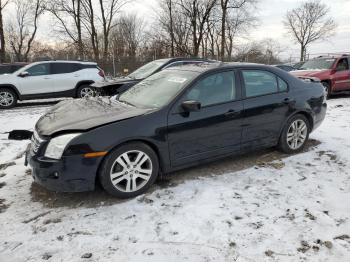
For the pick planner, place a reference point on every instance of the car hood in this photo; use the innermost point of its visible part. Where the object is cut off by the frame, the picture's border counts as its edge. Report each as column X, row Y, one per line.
column 5, row 77
column 115, row 81
column 84, row 114
column 311, row 73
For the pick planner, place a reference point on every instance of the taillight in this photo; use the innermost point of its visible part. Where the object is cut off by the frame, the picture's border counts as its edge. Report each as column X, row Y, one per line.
column 101, row 73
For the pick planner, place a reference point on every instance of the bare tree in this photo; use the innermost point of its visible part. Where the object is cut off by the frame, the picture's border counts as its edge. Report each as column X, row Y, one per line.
column 128, row 34
column 22, row 31
column 198, row 12
column 3, row 4
column 309, row 23
column 109, row 9
column 69, row 17
column 231, row 21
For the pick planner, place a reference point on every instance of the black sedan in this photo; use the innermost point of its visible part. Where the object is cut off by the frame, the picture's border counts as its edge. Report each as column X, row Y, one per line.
column 120, row 84
column 176, row 118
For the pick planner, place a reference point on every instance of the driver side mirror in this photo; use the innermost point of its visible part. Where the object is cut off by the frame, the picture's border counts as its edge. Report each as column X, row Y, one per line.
column 191, row 106
column 23, row 74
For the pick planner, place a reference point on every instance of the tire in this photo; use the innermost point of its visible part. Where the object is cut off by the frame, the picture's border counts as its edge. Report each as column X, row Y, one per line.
column 121, row 170
column 85, row 91
column 297, row 129
column 8, row 98
column 327, row 88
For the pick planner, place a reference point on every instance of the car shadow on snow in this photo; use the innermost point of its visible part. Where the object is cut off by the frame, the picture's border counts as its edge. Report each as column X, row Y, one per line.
column 269, row 157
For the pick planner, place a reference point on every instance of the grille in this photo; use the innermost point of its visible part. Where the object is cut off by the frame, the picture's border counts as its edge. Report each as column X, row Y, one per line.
column 36, row 142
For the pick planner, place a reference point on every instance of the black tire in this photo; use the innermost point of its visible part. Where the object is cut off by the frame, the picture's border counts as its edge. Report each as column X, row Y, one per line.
column 7, row 93
column 327, row 88
column 81, row 91
column 283, row 144
column 110, row 165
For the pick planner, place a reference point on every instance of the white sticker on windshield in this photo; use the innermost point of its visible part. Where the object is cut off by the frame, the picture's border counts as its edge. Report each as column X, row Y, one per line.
column 179, row 80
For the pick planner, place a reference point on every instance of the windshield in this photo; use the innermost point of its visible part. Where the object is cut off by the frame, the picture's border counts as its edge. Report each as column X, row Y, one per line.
column 315, row 64
column 148, row 69
column 158, row 89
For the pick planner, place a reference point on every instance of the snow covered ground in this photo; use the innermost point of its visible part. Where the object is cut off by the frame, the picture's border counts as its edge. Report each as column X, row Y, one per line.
column 264, row 206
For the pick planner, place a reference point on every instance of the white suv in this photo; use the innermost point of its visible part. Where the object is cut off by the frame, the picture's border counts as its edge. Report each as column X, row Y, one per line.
column 49, row 79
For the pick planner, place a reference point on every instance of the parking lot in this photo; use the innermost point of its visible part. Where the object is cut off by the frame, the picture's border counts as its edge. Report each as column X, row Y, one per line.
column 263, row 206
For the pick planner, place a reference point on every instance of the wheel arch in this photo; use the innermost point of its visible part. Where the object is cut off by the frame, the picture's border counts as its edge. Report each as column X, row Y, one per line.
column 300, row 112
column 80, row 83
column 144, row 141
column 13, row 88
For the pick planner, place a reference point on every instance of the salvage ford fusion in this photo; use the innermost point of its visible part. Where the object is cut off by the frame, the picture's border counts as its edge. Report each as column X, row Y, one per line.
column 174, row 119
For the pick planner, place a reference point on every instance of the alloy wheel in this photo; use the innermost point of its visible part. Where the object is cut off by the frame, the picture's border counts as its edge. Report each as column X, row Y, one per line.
column 6, row 99
column 131, row 171
column 87, row 92
column 297, row 134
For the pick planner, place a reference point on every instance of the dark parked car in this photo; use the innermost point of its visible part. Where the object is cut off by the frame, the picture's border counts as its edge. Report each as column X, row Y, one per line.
column 287, row 68
column 10, row 68
column 120, row 84
column 176, row 118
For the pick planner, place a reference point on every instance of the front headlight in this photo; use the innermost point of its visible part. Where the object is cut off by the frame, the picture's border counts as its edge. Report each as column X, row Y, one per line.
column 57, row 145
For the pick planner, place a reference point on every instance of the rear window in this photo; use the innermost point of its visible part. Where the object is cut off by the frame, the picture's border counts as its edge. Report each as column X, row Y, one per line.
column 89, row 66
column 259, row 83
column 64, row 68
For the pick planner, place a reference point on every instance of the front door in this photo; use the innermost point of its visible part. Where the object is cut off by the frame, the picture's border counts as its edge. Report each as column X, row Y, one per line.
column 342, row 76
column 266, row 105
column 38, row 80
column 212, row 131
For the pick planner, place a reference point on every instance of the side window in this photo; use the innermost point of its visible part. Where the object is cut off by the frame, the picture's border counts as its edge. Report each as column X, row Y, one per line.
column 282, row 85
column 39, row 70
column 258, row 82
column 213, row 89
column 343, row 64
column 64, row 68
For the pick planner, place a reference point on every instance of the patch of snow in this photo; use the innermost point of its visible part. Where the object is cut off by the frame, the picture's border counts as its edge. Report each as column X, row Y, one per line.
column 291, row 210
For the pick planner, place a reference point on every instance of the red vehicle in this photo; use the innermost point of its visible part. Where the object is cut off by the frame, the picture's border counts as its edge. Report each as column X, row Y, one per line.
column 333, row 71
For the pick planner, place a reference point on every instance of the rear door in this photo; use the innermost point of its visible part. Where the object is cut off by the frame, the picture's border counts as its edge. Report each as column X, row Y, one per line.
column 342, row 75
column 212, row 131
column 265, row 105
column 38, row 81
column 65, row 75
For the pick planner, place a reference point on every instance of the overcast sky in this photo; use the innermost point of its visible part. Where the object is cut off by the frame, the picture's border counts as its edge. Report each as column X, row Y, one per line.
column 270, row 14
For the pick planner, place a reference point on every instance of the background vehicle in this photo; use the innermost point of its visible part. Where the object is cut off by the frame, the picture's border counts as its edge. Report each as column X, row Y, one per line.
column 285, row 67
column 176, row 118
column 10, row 67
column 333, row 72
column 49, row 79
column 119, row 85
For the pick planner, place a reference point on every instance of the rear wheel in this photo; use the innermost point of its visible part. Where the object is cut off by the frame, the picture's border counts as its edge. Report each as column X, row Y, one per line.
column 8, row 98
column 295, row 134
column 129, row 170
column 85, row 91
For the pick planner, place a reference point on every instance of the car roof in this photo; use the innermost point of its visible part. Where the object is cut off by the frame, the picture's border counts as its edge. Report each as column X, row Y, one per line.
column 15, row 63
column 177, row 59
column 203, row 67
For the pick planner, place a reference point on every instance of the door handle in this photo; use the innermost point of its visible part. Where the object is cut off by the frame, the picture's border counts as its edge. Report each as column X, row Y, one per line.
column 231, row 113
column 47, row 78
column 288, row 101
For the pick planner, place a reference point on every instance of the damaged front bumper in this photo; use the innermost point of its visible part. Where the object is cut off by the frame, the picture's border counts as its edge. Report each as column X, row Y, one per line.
column 68, row 174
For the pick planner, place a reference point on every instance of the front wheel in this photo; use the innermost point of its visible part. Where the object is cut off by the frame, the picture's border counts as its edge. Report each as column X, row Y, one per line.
column 129, row 170
column 8, row 98
column 295, row 134
column 327, row 88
